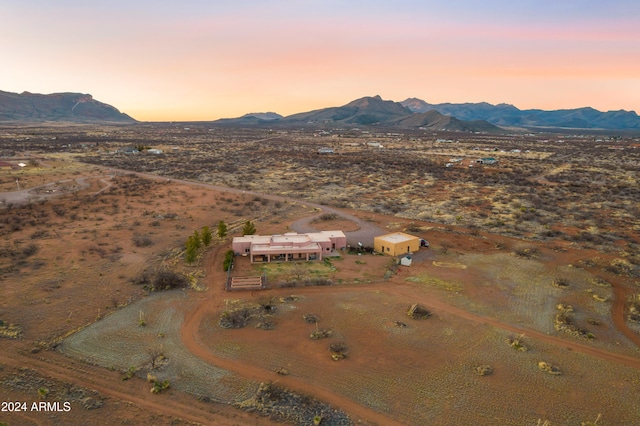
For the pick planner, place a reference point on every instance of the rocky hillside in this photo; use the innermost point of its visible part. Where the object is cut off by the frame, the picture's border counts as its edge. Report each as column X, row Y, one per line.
column 70, row 107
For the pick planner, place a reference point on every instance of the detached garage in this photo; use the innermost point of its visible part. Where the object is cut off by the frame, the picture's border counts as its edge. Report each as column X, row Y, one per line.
column 396, row 244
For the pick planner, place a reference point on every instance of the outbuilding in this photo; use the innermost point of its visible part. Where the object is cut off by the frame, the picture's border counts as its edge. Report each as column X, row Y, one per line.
column 396, row 244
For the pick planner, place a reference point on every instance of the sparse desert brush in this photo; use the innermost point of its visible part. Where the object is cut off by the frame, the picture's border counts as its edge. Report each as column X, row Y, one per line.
column 142, row 240
column 168, row 280
column 10, row 331
column 599, row 298
column 338, row 351
column 417, row 311
column 619, row 267
column 600, row 282
column 159, row 386
column 236, row 318
column 483, row 370
column 530, row 252
column 310, row 318
column 328, row 216
column 266, row 325
column 634, row 307
column 548, row 368
column 516, row 343
column 321, row 334
column 129, row 373
column 563, row 321
column 560, row 283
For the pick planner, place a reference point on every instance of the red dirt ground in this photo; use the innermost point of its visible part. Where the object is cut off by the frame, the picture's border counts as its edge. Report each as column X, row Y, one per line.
column 46, row 305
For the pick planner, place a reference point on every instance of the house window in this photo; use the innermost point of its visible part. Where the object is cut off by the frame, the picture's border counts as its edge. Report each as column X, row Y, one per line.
column 388, row 248
column 247, row 250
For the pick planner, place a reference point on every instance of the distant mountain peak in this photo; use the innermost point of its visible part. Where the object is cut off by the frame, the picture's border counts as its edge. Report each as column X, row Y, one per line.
column 263, row 115
column 367, row 111
column 72, row 107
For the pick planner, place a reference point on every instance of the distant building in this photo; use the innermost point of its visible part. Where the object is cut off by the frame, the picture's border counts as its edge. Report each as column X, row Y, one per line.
column 289, row 247
column 487, row 160
column 325, row 151
column 396, row 244
column 127, row 150
column 154, row 151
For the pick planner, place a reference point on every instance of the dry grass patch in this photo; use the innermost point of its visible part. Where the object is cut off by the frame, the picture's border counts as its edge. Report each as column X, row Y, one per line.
column 435, row 283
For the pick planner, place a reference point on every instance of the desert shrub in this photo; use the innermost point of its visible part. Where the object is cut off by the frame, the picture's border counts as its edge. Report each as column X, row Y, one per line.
column 321, row 334
column 483, row 370
column 413, row 228
column 527, row 252
column 546, row 367
column 417, row 311
column 42, row 233
column 516, row 343
column 634, row 307
column 59, row 210
column 237, row 318
column 207, row 236
column 560, row 283
column 29, row 250
column 310, row 318
column 142, row 240
column 143, row 279
column 338, row 351
column 159, row 386
column 318, row 282
column 266, row 325
column 619, row 267
column 444, row 247
column 328, row 216
column 168, row 280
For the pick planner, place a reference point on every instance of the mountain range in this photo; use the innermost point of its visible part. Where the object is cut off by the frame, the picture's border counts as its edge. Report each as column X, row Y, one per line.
column 370, row 110
column 71, row 107
column 509, row 116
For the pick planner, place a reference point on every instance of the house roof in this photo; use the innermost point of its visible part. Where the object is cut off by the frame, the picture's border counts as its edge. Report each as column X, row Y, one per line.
column 397, row 237
column 290, row 237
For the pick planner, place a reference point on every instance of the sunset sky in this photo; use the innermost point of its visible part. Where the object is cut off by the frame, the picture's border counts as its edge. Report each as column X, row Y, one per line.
column 203, row 60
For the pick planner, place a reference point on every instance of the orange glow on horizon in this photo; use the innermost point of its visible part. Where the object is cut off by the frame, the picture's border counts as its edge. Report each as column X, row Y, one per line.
column 172, row 64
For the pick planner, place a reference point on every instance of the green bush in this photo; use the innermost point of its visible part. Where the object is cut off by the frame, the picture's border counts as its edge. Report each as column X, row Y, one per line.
column 228, row 260
column 207, row 236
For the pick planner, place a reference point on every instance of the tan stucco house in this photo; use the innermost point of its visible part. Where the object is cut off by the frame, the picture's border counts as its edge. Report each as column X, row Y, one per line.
column 289, row 247
column 396, row 244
